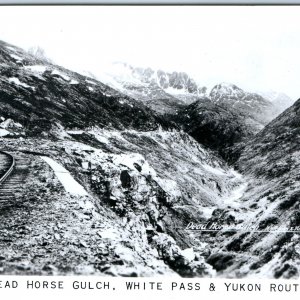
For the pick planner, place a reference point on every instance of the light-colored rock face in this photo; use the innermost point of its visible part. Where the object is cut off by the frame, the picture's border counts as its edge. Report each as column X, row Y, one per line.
column 133, row 183
column 184, row 169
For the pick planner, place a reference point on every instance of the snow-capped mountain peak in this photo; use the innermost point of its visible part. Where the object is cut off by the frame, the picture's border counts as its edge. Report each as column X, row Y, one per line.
column 163, row 91
column 226, row 89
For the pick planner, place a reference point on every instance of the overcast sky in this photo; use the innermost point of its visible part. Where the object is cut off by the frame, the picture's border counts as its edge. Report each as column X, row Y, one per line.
column 256, row 47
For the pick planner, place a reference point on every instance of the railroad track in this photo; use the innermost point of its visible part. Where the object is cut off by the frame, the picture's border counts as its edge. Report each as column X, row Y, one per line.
column 13, row 172
column 7, row 164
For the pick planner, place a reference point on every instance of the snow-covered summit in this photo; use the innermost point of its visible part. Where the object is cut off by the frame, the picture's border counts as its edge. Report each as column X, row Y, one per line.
column 247, row 104
column 162, row 91
column 176, row 82
column 227, row 90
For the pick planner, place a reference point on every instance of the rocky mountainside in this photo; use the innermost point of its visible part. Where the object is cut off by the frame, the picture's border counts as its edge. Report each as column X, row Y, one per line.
column 251, row 105
column 269, row 204
column 39, row 95
column 215, row 126
column 137, row 206
column 165, row 92
column 270, row 147
column 140, row 179
column 226, row 119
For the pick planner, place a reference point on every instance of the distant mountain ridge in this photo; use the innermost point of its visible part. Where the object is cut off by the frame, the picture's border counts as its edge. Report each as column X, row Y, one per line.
column 281, row 101
column 222, row 119
column 163, row 91
column 169, row 92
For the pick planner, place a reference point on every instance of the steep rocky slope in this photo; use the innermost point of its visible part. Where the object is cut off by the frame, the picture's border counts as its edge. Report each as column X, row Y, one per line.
column 269, row 207
column 138, row 205
column 39, row 95
column 251, row 105
column 215, row 126
column 276, row 147
column 48, row 231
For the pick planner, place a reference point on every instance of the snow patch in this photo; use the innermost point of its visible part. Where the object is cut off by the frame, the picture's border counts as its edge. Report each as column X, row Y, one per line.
column 91, row 82
column 227, row 89
column 124, row 253
column 75, row 131
column 102, row 139
column 169, row 186
column 108, row 233
column 16, row 81
column 9, row 123
column 216, row 171
column 16, row 57
column 65, row 77
column 128, row 160
column 11, row 48
column 74, row 81
column 4, row 132
column 36, row 69
column 188, row 253
column 207, row 211
column 173, row 91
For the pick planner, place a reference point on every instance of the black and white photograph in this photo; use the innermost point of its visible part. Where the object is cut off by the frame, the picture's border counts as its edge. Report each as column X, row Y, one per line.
column 150, row 141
